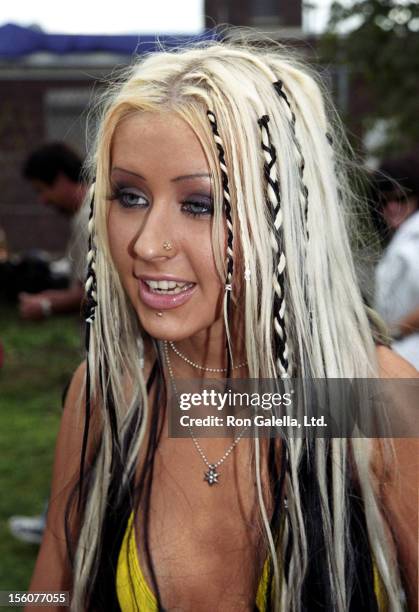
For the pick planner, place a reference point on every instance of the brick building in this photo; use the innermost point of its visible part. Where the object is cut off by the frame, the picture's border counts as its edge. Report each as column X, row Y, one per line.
column 285, row 17
column 49, row 82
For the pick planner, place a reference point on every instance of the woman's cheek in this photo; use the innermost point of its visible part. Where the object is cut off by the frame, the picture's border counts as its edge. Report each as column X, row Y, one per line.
column 119, row 239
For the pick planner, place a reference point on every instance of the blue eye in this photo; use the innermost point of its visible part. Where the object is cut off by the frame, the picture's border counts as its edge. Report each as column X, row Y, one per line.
column 198, row 207
column 128, row 197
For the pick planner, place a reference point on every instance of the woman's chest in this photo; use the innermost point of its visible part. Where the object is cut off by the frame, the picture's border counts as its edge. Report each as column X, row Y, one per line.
column 205, row 541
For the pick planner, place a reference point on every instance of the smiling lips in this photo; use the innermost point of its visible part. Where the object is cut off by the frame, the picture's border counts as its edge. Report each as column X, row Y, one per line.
column 164, row 293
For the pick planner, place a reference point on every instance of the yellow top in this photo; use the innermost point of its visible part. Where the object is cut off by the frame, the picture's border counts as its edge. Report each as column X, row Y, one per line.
column 135, row 594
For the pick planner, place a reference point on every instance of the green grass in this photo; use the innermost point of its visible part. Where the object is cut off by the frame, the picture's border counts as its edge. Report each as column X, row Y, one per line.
column 40, row 358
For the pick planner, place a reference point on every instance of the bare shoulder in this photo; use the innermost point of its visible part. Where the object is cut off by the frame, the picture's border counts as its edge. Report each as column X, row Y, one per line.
column 391, row 365
column 395, row 465
column 73, row 419
column 74, row 396
column 397, row 486
column 395, row 460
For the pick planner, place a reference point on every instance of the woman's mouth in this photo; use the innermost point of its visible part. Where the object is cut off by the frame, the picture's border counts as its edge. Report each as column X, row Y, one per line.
column 167, row 287
column 165, row 294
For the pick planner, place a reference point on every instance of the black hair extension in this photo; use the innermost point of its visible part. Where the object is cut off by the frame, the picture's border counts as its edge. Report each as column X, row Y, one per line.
column 155, row 435
column 89, row 312
column 316, row 592
column 278, row 86
column 274, row 205
column 360, row 567
column 229, row 221
column 103, row 593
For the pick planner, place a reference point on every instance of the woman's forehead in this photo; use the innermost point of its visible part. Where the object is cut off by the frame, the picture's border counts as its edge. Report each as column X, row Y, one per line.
column 156, row 140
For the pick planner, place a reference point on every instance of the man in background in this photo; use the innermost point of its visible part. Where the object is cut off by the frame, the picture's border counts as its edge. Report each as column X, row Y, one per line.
column 397, row 274
column 55, row 173
column 54, row 170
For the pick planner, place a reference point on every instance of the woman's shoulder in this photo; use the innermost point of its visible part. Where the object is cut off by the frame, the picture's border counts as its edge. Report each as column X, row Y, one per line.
column 78, row 378
column 392, row 365
column 392, row 457
column 74, row 412
column 52, row 570
column 394, row 465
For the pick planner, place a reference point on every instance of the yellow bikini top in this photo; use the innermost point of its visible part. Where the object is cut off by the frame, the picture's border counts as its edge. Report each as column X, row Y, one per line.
column 134, row 593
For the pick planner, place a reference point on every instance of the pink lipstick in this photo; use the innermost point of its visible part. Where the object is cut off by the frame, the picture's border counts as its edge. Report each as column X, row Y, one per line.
column 164, row 301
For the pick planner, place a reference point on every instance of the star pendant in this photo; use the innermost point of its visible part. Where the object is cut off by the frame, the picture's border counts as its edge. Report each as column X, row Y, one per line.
column 211, row 477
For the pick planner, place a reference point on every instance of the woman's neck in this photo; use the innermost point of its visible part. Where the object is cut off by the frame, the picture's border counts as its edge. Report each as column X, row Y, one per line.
column 208, row 352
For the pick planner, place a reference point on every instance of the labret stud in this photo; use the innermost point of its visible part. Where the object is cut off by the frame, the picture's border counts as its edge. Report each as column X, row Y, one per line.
column 159, row 314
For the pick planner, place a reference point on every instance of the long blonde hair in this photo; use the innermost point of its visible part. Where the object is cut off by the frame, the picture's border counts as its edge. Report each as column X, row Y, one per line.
column 324, row 308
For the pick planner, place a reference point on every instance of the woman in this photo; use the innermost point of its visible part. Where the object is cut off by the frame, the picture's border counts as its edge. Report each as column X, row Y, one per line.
column 218, row 248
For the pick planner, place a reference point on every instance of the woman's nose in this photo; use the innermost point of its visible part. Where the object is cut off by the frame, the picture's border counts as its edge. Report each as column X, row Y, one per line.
column 153, row 240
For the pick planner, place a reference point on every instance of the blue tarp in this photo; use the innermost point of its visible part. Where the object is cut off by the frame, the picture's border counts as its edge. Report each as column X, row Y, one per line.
column 17, row 41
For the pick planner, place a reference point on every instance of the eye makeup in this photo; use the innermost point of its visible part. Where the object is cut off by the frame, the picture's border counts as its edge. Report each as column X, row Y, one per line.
column 128, row 197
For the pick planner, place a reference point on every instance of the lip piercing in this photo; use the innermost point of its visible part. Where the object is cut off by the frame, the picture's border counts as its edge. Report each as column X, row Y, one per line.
column 167, row 246
column 159, row 314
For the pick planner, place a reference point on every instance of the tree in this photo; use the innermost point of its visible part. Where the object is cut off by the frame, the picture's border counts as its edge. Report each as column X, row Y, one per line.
column 378, row 40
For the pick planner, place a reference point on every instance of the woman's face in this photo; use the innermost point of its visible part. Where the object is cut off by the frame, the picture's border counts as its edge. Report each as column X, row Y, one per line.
column 159, row 225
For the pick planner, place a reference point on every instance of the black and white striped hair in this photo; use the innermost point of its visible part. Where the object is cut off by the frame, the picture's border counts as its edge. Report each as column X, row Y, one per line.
column 278, row 280
column 229, row 225
column 89, row 310
column 261, row 120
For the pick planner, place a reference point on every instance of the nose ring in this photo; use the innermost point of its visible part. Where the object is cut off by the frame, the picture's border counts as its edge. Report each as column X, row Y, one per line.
column 167, row 246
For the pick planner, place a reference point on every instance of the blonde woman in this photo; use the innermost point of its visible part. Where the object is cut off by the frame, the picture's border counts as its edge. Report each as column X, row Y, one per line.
column 218, row 248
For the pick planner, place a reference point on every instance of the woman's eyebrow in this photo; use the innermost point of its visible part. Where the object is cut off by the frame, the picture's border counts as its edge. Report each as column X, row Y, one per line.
column 183, row 177
column 116, row 169
column 186, row 177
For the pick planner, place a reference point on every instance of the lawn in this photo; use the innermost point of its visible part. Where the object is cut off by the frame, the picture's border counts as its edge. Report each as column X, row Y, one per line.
column 39, row 360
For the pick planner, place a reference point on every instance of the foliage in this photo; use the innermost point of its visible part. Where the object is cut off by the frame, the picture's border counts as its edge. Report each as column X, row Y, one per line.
column 378, row 40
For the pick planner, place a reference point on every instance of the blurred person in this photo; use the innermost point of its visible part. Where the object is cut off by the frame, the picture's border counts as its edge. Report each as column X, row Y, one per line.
column 55, row 172
column 397, row 273
column 218, row 248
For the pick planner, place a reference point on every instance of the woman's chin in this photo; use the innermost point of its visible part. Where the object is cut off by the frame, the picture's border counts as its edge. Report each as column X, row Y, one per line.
column 163, row 326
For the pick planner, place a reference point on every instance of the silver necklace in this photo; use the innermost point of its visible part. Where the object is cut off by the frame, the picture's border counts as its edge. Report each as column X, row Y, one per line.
column 199, row 367
column 212, row 475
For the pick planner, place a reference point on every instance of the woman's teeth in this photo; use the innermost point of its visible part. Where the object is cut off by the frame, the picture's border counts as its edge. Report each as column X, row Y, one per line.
column 170, row 287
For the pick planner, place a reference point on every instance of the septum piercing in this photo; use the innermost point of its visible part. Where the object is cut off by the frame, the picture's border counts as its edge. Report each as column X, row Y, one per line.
column 167, row 245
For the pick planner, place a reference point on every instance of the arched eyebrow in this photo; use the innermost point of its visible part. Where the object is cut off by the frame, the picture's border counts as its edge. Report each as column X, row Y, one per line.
column 186, row 177
column 183, row 177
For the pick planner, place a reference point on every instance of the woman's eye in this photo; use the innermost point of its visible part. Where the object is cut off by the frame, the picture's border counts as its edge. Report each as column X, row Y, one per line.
column 130, row 198
column 198, row 207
